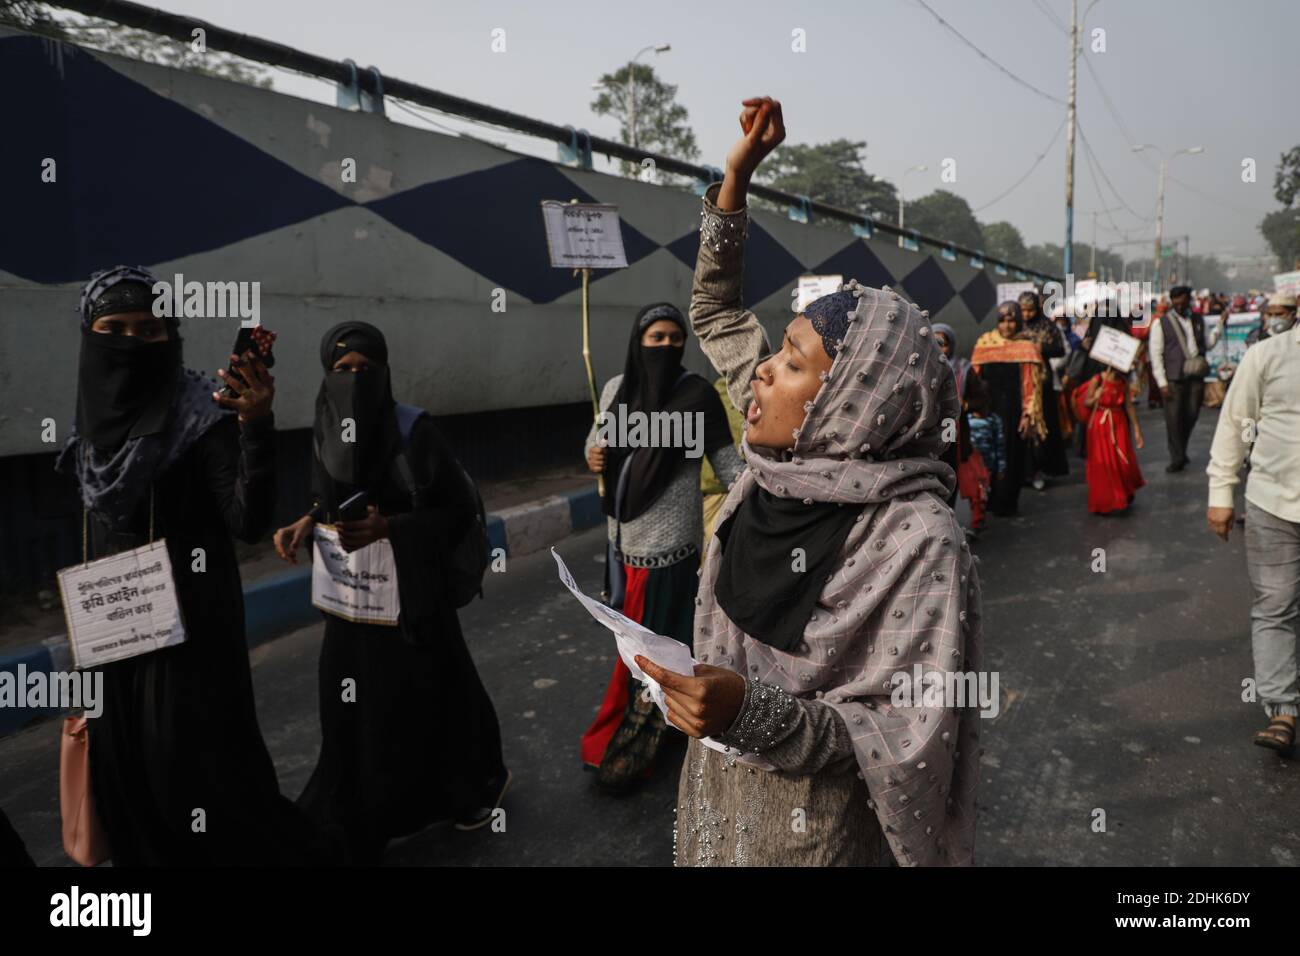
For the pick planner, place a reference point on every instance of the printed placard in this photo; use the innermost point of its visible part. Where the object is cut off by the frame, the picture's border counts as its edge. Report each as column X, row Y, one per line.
column 1115, row 348
column 358, row 586
column 121, row 606
column 1010, row 291
column 583, row 235
column 812, row 288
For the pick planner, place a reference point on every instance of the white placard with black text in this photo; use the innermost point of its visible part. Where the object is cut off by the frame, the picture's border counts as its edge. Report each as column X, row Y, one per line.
column 358, row 586
column 121, row 606
column 1115, row 348
column 583, row 235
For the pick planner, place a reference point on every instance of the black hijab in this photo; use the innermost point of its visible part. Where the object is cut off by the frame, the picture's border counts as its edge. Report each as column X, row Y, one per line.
column 138, row 409
column 653, row 381
column 764, row 585
column 365, row 397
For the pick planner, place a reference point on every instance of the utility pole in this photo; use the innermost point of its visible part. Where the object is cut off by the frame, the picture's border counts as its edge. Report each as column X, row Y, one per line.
column 1160, row 224
column 1069, row 141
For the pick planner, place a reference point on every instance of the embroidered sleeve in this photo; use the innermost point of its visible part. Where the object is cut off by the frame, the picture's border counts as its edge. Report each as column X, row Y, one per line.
column 795, row 736
column 729, row 333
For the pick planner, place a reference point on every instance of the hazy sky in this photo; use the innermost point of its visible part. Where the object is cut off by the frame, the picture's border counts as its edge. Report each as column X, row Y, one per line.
column 1179, row 72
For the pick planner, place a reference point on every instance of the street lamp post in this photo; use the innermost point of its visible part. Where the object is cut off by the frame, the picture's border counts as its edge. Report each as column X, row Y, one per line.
column 631, row 83
column 902, row 184
column 1160, row 199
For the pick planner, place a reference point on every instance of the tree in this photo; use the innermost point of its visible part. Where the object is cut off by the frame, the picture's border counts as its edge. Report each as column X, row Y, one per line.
column 1045, row 257
column 834, row 173
column 1003, row 241
column 1281, row 230
column 945, row 215
column 661, row 122
column 109, row 37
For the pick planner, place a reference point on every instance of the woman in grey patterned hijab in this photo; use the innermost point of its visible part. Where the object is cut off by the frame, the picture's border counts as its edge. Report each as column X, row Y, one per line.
column 817, row 731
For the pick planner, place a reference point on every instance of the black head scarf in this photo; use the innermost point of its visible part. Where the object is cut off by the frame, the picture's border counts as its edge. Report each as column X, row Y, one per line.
column 138, row 408
column 354, row 454
column 653, row 382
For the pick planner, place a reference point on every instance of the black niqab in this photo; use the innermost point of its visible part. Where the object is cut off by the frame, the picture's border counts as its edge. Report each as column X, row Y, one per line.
column 653, row 381
column 355, row 432
column 124, row 387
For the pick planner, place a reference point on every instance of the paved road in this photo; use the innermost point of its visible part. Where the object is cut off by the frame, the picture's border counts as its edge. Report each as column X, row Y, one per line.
column 1121, row 692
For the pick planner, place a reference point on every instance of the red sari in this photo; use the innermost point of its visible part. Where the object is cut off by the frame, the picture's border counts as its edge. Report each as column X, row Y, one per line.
column 1113, row 473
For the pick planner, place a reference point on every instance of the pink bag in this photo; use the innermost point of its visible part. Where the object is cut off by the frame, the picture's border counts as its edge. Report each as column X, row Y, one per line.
column 84, row 839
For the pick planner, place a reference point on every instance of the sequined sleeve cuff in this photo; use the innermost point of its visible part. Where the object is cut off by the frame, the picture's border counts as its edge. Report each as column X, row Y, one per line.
column 765, row 714
column 722, row 232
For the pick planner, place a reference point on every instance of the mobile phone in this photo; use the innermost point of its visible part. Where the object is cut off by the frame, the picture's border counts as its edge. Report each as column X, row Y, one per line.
column 354, row 509
column 257, row 339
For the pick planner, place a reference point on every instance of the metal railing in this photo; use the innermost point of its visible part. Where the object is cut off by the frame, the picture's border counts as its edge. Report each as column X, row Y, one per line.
column 345, row 73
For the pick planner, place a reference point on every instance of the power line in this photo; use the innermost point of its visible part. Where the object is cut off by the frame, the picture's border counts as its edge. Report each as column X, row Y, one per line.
column 1088, row 148
column 1047, row 12
column 984, row 56
column 1046, row 149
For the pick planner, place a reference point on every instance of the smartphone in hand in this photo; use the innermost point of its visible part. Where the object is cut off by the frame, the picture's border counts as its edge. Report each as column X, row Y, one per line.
column 257, row 339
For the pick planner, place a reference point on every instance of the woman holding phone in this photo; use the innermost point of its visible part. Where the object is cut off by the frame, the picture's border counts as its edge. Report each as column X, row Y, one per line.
column 178, row 769
column 409, row 736
column 836, row 566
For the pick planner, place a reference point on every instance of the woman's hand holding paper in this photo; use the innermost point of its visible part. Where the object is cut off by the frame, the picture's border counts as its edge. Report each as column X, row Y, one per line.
column 703, row 705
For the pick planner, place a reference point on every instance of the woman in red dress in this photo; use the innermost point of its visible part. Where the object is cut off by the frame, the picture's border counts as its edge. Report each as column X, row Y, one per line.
column 1114, row 477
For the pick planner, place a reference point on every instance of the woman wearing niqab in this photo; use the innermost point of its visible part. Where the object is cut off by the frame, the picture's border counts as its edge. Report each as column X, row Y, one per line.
column 178, row 743
column 417, row 741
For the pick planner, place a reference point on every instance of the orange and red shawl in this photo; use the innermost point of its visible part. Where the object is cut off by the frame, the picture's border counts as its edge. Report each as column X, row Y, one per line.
column 992, row 348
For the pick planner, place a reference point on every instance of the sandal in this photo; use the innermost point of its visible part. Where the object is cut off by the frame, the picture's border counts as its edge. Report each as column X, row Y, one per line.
column 1279, row 735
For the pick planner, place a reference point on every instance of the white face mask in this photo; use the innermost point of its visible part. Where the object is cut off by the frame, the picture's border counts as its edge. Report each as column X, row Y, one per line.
column 1279, row 324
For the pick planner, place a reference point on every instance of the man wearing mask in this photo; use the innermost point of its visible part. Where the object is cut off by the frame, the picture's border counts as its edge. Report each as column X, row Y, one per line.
column 1178, row 361
column 1276, row 318
column 1261, row 416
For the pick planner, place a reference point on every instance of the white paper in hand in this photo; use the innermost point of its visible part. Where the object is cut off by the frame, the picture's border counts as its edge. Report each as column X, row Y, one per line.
column 633, row 639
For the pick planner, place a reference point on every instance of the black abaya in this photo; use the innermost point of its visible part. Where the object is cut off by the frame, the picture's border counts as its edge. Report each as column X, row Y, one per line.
column 178, row 748
column 12, row 851
column 1003, row 381
column 420, row 742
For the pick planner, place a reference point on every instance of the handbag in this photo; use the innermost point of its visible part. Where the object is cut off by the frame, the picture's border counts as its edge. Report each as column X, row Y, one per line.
column 84, row 839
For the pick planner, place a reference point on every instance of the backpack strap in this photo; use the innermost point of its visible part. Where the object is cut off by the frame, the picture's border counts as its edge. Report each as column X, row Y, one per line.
column 406, row 418
column 407, row 415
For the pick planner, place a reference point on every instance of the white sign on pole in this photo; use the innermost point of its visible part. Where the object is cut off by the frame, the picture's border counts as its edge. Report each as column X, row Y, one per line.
column 583, row 235
column 1010, row 291
column 121, row 606
column 358, row 586
column 812, row 288
column 1115, row 348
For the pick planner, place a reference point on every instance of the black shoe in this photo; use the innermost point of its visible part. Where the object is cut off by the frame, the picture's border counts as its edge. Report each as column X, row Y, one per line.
column 483, row 815
column 1174, row 466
